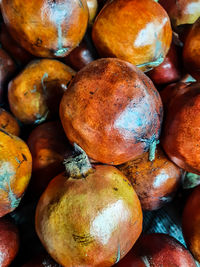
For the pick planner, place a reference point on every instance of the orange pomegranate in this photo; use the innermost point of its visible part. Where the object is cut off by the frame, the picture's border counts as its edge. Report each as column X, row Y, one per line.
column 191, row 223
column 49, row 147
column 35, row 94
column 15, row 171
column 46, row 28
column 8, row 122
column 181, row 136
column 155, row 182
column 136, row 31
column 88, row 216
column 112, row 110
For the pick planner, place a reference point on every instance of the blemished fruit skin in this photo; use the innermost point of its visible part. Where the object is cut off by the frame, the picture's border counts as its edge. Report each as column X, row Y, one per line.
column 92, row 221
column 136, row 31
column 49, row 147
column 46, row 28
column 35, row 93
column 9, row 242
column 155, row 250
column 182, row 11
column 155, row 182
column 191, row 51
column 15, row 171
column 191, row 223
column 7, row 68
column 180, row 137
column 9, row 123
column 112, row 111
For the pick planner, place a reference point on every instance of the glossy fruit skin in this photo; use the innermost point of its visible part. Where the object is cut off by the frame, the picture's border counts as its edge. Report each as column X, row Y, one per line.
column 35, row 94
column 75, row 218
column 169, row 70
column 81, row 56
column 92, row 8
column 15, row 171
column 7, row 69
column 154, row 182
column 9, row 123
column 182, row 11
column 49, row 147
column 158, row 250
column 19, row 54
column 143, row 40
column 42, row 260
column 191, row 51
column 191, row 222
column 180, row 138
column 112, row 111
column 9, row 242
column 46, row 28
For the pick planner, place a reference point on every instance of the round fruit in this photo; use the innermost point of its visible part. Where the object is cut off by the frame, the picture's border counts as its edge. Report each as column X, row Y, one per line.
column 136, row 31
column 155, row 250
column 46, row 28
column 9, row 242
column 90, row 217
column 20, row 55
column 191, row 223
column 81, row 56
column 191, row 51
column 169, row 70
column 181, row 135
column 154, row 182
column 15, row 171
column 112, row 110
column 9, row 123
column 7, row 68
column 36, row 92
column 182, row 11
column 49, row 147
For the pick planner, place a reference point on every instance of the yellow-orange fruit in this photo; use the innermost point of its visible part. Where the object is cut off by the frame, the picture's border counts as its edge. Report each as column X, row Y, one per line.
column 8, row 122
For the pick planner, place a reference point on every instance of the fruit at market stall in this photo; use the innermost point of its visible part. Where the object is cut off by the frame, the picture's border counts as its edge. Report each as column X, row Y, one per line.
column 155, row 250
column 169, row 70
column 112, row 110
column 92, row 8
column 155, row 182
column 7, row 69
column 181, row 136
column 136, row 31
column 9, row 123
column 15, row 171
column 9, row 242
column 19, row 54
column 49, row 147
column 191, row 51
column 182, row 11
column 42, row 260
column 88, row 216
column 191, row 223
column 34, row 95
column 81, row 56
column 46, row 28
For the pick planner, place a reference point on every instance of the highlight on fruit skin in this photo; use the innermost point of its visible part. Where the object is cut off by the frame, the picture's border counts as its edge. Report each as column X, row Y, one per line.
column 136, row 31
column 88, row 216
column 35, row 93
column 15, row 171
column 57, row 28
column 155, row 182
column 112, row 111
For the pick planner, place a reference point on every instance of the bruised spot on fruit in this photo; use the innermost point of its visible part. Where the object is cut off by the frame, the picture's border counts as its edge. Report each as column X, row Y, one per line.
column 84, row 240
column 38, row 42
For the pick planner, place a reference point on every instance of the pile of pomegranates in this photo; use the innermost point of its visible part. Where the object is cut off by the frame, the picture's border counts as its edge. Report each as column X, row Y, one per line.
column 99, row 131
